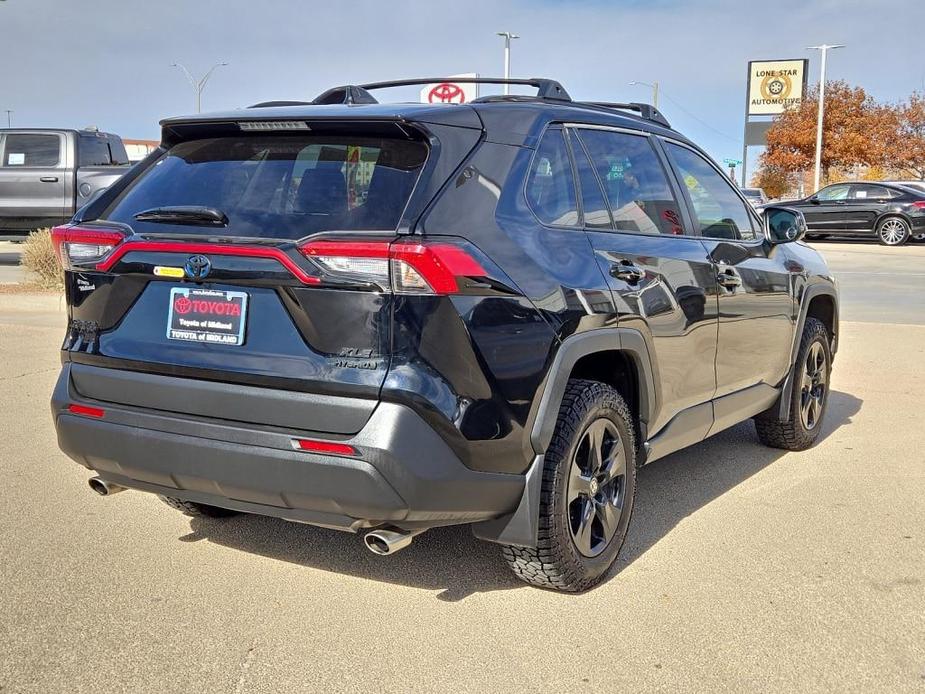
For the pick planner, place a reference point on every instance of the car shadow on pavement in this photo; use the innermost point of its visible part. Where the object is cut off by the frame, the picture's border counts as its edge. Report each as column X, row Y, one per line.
column 452, row 561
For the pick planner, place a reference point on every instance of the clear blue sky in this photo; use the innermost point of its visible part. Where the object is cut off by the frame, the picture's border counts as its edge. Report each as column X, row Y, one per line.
column 107, row 62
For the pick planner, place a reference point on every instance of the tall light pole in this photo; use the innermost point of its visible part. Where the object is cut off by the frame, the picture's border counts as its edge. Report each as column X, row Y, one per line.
column 823, row 49
column 507, row 57
column 9, row 118
column 200, row 84
column 654, row 86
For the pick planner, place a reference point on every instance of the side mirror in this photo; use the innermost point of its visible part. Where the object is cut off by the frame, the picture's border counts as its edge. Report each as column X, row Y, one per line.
column 814, row 200
column 783, row 224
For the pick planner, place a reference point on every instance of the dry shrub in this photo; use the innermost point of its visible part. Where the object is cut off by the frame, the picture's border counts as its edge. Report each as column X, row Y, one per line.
column 39, row 258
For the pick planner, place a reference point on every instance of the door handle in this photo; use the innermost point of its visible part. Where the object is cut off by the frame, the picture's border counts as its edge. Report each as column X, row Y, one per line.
column 49, row 179
column 729, row 279
column 626, row 271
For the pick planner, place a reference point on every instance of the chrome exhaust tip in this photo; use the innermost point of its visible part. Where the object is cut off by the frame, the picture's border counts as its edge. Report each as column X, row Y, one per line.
column 104, row 488
column 384, row 542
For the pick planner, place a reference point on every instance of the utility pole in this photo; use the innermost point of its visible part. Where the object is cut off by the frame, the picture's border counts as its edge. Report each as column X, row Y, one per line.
column 654, row 86
column 823, row 49
column 507, row 35
column 9, row 118
column 198, row 85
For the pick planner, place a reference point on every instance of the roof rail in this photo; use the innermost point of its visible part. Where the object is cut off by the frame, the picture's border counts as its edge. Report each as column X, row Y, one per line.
column 646, row 111
column 359, row 94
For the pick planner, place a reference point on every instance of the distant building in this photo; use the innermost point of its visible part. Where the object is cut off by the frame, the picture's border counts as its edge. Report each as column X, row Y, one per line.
column 139, row 149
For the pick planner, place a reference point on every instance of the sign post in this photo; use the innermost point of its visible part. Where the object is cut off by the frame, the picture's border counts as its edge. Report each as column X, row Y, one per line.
column 732, row 164
column 773, row 87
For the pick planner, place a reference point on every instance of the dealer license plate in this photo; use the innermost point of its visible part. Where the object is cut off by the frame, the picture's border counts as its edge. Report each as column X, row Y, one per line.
column 206, row 315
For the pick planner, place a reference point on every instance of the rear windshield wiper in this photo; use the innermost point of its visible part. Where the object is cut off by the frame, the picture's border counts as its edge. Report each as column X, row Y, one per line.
column 184, row 214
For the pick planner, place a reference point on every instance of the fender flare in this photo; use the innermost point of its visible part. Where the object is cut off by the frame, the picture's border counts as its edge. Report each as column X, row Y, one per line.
column 810, row 293
column 632, row 342
column 521, row 527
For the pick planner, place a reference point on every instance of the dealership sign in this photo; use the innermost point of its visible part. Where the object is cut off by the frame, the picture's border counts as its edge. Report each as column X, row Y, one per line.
column 775, row 85
column 450, row 92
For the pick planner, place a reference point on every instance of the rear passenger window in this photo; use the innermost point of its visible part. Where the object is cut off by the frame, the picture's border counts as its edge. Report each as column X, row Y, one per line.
column 720, row 212
column 593, row 205
column 550, row 185
column 635, row 182
column 31, row 150
column 869, row 192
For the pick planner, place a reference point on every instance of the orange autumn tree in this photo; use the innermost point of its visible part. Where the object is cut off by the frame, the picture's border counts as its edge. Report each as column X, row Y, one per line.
column 855, row 130
column 907, row 146
column 774, row 182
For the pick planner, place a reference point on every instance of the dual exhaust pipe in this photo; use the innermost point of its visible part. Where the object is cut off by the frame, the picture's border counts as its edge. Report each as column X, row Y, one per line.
column 381, row 542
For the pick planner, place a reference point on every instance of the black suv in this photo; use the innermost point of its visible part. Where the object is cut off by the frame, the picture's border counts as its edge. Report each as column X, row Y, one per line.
column 387, row 318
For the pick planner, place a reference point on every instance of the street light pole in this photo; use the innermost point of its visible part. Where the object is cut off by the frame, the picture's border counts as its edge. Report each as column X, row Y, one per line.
column 507, row 57
column 9, row 118
column 200, row 84
column 823, row 49
column 654, row 86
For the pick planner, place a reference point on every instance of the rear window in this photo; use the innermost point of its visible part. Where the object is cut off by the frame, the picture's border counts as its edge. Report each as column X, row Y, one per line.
column 99, row 149
column 279, row 186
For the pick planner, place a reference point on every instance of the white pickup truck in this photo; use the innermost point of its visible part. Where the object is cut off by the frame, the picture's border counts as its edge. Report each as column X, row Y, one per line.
column 46, row 175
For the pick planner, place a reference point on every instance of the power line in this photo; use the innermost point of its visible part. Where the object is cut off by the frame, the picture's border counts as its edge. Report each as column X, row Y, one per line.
column 696, row 118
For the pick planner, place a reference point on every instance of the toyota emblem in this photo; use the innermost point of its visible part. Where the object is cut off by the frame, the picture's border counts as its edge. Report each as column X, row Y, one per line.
column 197, row 267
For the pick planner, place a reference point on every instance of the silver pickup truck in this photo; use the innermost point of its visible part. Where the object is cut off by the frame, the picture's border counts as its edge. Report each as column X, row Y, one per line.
column 47, row 175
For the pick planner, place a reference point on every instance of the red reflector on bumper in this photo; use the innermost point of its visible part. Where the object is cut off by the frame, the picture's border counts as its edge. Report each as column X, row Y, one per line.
column 86, row 410
column 324, row 447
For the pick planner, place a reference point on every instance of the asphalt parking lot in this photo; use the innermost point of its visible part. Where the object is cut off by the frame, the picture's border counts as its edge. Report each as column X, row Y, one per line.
column 745, row 569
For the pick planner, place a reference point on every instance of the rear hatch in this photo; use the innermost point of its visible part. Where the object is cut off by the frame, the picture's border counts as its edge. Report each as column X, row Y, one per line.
column 256, row 255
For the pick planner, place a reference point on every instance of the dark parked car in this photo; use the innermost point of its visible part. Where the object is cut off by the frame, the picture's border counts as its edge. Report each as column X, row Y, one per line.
column 890, row 213
column 384, row 318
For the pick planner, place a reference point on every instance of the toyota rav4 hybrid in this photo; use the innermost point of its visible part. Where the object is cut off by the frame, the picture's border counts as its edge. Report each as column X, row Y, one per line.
column 385, row 318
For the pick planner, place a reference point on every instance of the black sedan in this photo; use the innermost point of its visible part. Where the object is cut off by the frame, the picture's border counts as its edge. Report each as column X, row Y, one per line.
column 890, row 213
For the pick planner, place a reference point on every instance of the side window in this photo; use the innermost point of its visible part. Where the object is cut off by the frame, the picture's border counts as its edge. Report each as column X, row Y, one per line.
column 868, row 192
column 93, row 151
column 833, row 193
column 634, row 181
column 550, row 184
column 720, row 212
column 31, row 150
column 593, row 205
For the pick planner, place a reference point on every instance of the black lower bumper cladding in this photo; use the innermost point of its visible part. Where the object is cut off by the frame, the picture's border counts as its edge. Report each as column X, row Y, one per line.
column 404, row 473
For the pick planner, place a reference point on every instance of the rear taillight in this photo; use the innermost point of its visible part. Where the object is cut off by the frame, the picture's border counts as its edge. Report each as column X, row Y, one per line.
column 919, row 204
column 421, row 267
column 81, row 245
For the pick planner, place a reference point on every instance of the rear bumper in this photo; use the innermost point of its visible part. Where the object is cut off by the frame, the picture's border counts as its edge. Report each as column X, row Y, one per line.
column 404, row 475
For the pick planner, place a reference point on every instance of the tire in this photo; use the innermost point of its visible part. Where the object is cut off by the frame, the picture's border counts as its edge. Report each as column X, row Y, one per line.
column 809, row 397
column 893, row 231
column 573, row 553
column 194, row 510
